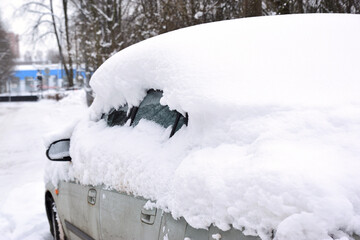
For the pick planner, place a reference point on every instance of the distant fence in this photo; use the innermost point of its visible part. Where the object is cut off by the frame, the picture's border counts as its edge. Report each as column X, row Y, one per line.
column 18, row 98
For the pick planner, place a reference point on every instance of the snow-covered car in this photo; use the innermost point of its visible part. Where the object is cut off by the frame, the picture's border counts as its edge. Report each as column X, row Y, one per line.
column 241, row 129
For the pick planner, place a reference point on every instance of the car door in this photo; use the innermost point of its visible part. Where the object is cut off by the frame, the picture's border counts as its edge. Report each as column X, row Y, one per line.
column 79, row 206
column 124, row 217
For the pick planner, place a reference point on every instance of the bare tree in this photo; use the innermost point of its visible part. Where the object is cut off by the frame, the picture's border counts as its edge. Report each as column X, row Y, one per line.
column 252, row 8
column 6, row 59
column 69, row 72
column 311, row 6
column 48, row 23
column 102, row 28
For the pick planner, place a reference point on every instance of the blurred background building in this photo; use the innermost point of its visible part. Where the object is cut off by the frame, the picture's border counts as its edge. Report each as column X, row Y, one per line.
column 14, row 44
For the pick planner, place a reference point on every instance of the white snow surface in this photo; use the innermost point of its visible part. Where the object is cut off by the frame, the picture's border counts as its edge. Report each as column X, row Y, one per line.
column 273, row 140
column 22, row 162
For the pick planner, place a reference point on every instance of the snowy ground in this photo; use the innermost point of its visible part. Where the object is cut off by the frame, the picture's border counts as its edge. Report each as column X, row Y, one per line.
column 22, row 161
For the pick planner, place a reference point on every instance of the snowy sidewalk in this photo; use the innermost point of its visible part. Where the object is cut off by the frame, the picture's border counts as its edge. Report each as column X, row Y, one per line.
column 22, row 162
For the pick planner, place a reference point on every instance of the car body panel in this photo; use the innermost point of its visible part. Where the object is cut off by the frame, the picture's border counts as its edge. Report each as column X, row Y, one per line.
column 121, row 217
column 171, row 228
column 74, row 209
column 229, row 235
column 83, row 215
column 118, row 216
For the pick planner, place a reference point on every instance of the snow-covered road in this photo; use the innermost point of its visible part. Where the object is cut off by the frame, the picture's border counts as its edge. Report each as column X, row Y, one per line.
column 22, row 162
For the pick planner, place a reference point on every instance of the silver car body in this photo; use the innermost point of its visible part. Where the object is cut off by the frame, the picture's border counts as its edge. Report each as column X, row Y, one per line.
column 93, row 212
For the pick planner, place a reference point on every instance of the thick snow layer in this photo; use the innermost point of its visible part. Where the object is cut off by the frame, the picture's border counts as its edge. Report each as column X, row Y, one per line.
column 22, row 163
column 273, row 141
column 278, row 60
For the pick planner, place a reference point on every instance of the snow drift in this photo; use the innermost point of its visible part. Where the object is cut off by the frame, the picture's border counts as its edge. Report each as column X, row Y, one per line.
column 273, row 140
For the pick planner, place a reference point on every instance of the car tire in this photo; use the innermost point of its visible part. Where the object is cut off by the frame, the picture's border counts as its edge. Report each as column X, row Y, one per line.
column 55, row 226
column 54, row 222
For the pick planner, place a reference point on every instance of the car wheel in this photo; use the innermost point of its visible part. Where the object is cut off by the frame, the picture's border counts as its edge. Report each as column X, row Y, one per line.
column 54, row 222
column 55, row 225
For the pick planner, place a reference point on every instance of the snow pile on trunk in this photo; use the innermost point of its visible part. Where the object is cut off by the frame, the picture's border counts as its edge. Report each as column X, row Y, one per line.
column 273, row 141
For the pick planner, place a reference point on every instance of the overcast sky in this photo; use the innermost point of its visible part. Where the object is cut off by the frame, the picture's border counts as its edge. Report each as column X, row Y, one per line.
column 20, row 24
column 14, row 24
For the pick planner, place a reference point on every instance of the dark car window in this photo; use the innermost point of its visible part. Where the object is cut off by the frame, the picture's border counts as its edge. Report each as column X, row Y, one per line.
column 151, row 109
column 117, row 117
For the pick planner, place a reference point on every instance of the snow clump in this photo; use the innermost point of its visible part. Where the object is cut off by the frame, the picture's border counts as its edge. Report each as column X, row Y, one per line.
column 273, row 140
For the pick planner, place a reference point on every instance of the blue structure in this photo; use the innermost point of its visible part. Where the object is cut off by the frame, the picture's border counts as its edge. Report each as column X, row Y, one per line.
column 31, row 73
column 25, row 77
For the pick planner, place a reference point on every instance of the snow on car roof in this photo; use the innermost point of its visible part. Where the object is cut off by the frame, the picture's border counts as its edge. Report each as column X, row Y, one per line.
column 273, row 140
column 298, row 59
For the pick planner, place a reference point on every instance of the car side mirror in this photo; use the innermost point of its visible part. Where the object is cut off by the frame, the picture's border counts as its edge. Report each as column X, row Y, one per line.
column 59, row 150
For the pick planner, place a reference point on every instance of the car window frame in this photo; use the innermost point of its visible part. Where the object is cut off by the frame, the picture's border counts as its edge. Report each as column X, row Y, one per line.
column 179, row 115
